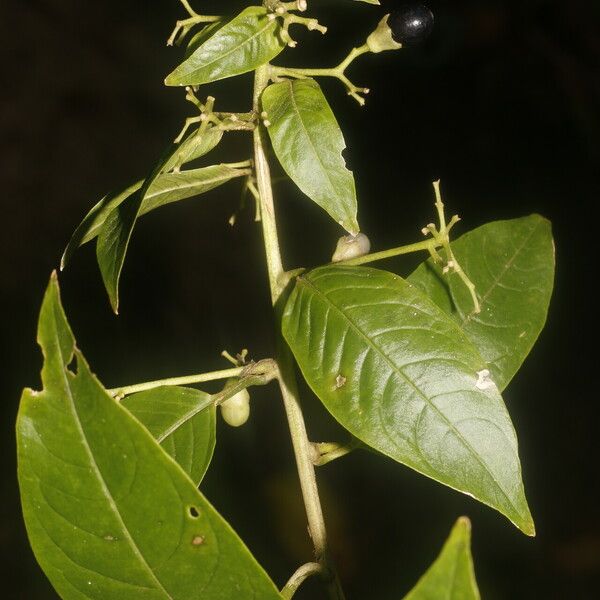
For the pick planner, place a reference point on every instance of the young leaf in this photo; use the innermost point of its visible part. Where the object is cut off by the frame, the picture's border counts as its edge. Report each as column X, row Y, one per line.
column 511, row 264
column 401, row 376
column 167, row 188
column 182, row 420
column 452, row 575
column 109, row 514
column 308, row 143
column 245, row 43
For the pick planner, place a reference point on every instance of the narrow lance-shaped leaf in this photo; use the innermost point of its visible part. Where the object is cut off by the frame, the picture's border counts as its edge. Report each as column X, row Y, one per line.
column 511, row 264
column 116, row 230
column 401, row 376
column 308, row 143
column 452, row 575
column 168, row 188
column 182, row 420
column 108, row 513
column 245, row 43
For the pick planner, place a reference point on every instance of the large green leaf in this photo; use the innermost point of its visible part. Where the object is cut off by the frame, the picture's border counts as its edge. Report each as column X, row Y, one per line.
column 401, row 376
column 309, row 143
column 452, row 575
column 182, row 420
column 109, row 514
column 511, row 264
column 245, row 43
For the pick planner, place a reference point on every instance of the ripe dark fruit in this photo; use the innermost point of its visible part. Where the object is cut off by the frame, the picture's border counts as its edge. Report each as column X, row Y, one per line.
column 411, row 24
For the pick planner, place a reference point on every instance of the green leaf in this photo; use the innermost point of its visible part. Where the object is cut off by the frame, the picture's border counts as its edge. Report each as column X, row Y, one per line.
column 109, row 514
column 511, row 264
column 401, row 376
column 192, row 147
column 182, row 420
column 452, row 575
column 168, row 188
column 308, row 143
column 245, row 43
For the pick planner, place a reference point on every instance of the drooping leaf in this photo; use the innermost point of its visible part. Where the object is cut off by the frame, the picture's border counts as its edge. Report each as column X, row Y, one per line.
column 452, row 575
column 182, row 420
column 116, row 230
column 401, row 376
column 245, row 43
column 511, row 264
column 167, row 188
column 108, row 513
column 308, row 143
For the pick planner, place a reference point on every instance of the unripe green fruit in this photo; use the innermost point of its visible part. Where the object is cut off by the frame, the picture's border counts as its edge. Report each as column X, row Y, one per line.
column 236, row 410
column 351, row 246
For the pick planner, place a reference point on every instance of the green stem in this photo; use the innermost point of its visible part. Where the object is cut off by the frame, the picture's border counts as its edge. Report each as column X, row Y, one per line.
column 287, row 378
column 185, row 380
column 330, row 451
column 425, row 245
column 299, row 577
column 338, row 72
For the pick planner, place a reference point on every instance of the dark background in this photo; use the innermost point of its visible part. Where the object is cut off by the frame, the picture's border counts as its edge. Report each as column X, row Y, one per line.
column 502, row 104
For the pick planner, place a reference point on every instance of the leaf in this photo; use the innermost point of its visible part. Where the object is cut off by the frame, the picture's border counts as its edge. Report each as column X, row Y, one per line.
column 369, row 1
column 182, row 420
column 109, row 514
column 452, row 575
column 245, row 43
column 168, row 188
column 308, row 143
column 192, row 147
column 401, row 376
column 511, row 264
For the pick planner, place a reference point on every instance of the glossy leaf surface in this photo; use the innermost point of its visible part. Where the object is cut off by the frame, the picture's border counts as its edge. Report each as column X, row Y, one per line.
column 401, row 376
column 511, row 264
column 452, row 575
column 308, row 143
column 182, row 420
column 242, row 45
column 109, row 514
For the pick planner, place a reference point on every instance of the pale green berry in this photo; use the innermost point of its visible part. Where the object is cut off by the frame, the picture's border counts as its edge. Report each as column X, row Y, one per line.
column 236, row 410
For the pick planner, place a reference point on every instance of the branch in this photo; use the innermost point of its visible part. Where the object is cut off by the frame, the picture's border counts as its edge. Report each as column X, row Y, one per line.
column 338, row 72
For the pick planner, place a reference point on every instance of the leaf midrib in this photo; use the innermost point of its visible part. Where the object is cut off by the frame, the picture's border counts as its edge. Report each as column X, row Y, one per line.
column 465, row 320
column 222, row 57
column 312, row 145
column 100, row 478
column 412, row 384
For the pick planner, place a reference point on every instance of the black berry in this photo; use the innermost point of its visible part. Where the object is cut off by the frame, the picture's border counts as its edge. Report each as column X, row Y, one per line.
column 411, row 24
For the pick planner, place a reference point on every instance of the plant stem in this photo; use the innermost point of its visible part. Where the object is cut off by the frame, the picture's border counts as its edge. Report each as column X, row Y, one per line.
column 185, row 380
column 338, row 72
column 427, row 245
column 287, row 378
column 299, row 577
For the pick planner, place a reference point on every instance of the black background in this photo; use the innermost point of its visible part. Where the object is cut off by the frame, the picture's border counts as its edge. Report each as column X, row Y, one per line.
column 502, row 104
